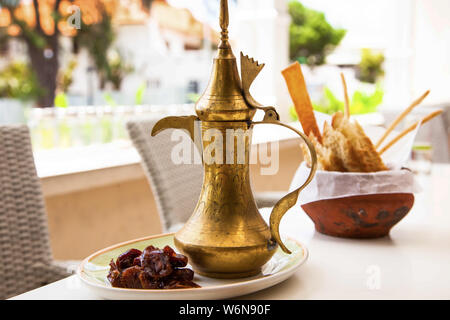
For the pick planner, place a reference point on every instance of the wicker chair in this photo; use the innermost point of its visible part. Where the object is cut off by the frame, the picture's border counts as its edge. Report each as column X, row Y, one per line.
column 25, row 255
column 176, row 187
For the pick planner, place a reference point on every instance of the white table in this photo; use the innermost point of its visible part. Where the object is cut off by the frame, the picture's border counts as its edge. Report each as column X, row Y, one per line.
column 413, row 263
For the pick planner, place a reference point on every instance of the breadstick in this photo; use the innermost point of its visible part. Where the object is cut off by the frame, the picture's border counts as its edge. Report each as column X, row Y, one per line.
column 401, row 117
column 297, row 89
column 408, row 130
column 347, row 100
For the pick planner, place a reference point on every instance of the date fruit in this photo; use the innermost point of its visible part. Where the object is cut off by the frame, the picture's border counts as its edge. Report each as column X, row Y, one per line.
column 152, row 268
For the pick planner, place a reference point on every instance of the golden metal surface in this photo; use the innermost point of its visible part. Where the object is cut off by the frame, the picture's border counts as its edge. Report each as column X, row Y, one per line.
column 226, row 237
column 249, row 71
column 223, row 99
column 186, row 123
column 289, row 200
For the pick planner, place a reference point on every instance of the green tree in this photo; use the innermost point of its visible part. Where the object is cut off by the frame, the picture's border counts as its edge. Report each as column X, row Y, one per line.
column 44, row 46
column 18, row 81
column 370, row 69
column 312, row 38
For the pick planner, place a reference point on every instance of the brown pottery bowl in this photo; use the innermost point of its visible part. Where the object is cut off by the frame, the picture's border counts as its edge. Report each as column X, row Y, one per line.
column 364, row 216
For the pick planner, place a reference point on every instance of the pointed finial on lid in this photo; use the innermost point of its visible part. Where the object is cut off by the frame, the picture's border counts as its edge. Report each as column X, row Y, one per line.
column 224, row 21
column 223, row 99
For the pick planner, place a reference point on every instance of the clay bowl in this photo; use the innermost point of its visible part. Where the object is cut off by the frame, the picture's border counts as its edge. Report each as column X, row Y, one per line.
column 364, row 216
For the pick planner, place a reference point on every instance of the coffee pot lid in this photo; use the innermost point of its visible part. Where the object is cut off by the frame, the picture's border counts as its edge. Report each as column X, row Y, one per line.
column 223, row 99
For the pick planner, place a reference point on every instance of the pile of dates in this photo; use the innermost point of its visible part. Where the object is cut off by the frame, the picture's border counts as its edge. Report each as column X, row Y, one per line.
column 151, row 269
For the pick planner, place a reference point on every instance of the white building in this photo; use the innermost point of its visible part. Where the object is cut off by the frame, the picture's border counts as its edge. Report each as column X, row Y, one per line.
column 168, row 52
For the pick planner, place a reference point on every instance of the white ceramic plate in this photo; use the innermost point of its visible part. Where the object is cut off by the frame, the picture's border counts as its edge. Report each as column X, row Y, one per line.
column 93, row 271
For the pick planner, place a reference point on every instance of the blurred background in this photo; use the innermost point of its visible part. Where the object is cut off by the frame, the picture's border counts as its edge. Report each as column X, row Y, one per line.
column 73, row 69
column 76, row 71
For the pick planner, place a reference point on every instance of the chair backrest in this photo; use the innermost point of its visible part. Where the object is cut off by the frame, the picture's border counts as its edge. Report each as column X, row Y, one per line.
column 176, row 187
column 25, row 253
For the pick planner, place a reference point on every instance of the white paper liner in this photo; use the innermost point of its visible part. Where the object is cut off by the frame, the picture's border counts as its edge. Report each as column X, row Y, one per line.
column 330, row 184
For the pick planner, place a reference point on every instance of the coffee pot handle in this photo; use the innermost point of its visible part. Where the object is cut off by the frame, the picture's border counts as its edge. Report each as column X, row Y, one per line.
column 289, row 200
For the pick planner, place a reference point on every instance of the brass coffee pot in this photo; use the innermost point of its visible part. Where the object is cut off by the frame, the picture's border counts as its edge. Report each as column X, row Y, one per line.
column 226, row 237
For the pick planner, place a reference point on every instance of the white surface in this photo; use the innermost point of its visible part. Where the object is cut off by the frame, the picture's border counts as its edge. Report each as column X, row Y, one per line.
column 413, row 263
column 11, row 111
column 55, row 162
column 332, row 184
